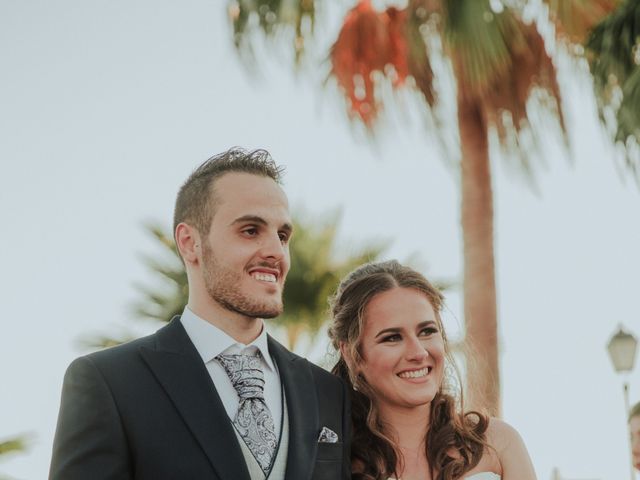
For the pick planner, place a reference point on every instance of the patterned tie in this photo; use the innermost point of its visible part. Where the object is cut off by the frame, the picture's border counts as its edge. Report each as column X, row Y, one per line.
column 253, row 420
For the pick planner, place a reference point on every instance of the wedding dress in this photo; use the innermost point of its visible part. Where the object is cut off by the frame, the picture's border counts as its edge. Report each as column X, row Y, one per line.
column 483, row 476
column 478, row 476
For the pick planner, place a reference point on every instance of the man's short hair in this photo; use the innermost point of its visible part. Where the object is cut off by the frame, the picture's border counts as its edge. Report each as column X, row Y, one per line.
column 635, row 411
column 196, row 201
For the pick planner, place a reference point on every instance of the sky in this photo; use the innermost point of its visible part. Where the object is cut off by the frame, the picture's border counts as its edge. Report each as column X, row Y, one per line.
column 107, row 106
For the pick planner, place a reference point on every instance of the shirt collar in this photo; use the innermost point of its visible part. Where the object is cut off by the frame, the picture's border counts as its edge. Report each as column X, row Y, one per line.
column 210, row 341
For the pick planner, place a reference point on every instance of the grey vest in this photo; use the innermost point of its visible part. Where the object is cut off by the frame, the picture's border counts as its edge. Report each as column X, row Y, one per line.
column 280, row 463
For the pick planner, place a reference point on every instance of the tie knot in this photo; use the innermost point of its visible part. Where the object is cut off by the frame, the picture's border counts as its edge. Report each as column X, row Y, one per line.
column 245, row 373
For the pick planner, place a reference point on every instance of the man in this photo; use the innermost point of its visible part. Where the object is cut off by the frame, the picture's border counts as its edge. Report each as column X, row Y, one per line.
column 634, row 432
column 211, row 395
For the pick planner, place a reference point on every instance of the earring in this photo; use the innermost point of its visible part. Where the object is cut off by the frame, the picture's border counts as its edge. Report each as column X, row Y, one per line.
column 356, row 381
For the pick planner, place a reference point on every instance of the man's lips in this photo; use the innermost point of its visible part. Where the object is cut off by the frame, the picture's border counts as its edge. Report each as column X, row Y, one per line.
column 270, row 275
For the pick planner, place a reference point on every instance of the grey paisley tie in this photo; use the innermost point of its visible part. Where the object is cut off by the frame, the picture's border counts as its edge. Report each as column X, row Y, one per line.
column 253, row 420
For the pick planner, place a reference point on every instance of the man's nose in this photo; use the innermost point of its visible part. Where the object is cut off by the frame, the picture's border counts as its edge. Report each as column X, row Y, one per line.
column 272, row 247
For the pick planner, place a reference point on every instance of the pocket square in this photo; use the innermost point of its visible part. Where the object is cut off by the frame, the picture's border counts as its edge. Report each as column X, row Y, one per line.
column 327, row 436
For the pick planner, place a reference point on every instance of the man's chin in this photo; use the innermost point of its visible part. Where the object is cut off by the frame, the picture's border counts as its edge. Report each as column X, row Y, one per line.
column 262, row 311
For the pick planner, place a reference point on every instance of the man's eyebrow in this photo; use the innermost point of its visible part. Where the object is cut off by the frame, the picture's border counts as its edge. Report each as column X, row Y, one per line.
column 287, row 227
column 250, row 219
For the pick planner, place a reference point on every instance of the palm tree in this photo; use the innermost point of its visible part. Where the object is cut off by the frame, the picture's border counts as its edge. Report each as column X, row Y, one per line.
column 500, row 65
column 497, row 60
column 316, row 269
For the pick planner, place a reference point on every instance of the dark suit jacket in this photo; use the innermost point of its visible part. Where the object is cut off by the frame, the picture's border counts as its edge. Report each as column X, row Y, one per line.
column 149, row 410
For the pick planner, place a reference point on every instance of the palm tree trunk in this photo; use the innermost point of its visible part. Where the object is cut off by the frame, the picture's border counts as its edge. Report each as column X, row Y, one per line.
column 483, row 376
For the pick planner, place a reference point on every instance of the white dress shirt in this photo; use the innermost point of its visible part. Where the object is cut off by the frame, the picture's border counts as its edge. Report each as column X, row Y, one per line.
column 210, row 342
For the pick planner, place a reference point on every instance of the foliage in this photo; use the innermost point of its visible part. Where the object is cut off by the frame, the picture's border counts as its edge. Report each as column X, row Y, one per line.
column 168, row 302
column 316, row 268
column 613, row 50
column 574, row 19
column 273, row 17
column 17, row 444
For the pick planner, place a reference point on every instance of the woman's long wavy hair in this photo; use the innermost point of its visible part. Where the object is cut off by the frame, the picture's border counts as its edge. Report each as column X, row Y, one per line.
column 455, row 441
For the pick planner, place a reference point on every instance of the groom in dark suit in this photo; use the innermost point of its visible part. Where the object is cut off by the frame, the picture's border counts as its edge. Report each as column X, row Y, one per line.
column 211, row 395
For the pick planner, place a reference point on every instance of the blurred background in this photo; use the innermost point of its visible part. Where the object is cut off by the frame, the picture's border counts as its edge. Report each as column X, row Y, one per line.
column 491, row 144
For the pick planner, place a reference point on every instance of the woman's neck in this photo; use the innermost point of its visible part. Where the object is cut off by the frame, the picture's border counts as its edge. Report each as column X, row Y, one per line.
column 408, row 428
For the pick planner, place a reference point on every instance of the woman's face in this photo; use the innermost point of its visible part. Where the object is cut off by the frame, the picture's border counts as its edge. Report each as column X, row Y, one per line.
column 402, row 348
column 634, row 431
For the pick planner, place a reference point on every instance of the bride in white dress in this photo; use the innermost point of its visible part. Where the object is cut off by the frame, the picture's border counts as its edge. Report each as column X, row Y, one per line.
column 407, row 422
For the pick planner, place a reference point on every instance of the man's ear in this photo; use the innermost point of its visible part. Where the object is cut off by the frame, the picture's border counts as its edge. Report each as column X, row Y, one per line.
column 188, row 243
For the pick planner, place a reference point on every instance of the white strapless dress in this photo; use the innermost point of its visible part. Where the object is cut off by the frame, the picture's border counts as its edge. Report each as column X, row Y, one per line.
column 477, row 476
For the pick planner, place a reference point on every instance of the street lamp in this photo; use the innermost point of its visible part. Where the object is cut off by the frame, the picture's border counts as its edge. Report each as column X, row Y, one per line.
column 622, row 351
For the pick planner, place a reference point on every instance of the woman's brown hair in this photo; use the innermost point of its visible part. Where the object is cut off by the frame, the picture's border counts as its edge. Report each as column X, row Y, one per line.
column 455, row 441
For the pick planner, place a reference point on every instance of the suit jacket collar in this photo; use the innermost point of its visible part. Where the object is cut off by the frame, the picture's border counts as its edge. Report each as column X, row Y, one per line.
column 302, row 405
column 180, row 370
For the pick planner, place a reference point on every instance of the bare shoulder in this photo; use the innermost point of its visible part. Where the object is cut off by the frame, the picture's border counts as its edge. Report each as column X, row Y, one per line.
column 511, row 451
column 500, row 434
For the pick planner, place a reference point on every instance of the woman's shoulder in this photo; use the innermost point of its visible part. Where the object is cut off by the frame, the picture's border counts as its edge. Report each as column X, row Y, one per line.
column 510, row 449
column 500, row 434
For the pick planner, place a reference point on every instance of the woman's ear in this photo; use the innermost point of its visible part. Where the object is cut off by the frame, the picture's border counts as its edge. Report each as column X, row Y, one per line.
column 345, row 353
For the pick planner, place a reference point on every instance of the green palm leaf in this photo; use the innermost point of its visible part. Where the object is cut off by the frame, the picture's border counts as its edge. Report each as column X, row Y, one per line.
column 614, row 58
column 268, row 18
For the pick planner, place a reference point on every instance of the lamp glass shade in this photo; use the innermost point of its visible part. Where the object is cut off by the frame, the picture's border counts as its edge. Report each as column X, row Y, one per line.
column 622, row 350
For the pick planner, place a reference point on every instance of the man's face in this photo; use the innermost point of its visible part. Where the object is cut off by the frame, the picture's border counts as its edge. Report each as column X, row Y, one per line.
column 634, row 431
column 245, row 256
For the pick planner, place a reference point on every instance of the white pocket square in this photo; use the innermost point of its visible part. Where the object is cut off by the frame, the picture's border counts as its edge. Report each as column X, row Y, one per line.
column 327, row 436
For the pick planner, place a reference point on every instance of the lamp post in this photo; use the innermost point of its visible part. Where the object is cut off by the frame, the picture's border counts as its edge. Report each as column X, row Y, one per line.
column 622, row 351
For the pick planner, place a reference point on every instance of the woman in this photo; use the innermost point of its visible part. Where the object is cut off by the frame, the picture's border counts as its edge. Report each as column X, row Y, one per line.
column 394, row 355
column 634, row 432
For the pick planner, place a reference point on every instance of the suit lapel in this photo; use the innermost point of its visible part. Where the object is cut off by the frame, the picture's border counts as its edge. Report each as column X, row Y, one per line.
column 179, row 369
column 302, row 404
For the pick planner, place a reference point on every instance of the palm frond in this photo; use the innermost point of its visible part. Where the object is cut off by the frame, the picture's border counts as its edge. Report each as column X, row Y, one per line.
column 477, row 38
column 613, row 50
column 316, row 270
column 100, row 341
column 162, row 302
column 16, row 444
column 253, row 19
column 502, row 65
column 575, row 19
column 377, row 48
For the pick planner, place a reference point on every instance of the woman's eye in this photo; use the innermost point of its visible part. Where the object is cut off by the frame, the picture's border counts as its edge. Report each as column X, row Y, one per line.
column 428, row 331
column 392, row 338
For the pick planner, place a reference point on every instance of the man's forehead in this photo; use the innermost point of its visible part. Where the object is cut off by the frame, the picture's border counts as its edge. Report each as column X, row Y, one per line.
column 245, row 191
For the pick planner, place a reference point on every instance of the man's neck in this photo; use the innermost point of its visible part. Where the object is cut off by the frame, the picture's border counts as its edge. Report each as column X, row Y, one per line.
column 241, row 328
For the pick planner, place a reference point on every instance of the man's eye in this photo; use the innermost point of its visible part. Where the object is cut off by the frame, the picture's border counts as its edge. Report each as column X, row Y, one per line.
column 284, row 237
column 251, row 231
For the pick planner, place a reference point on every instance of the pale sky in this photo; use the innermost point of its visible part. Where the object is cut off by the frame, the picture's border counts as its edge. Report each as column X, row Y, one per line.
column 107, row 106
